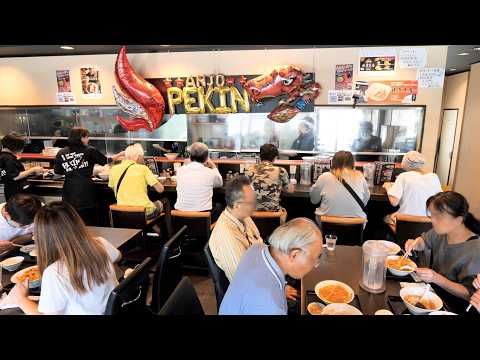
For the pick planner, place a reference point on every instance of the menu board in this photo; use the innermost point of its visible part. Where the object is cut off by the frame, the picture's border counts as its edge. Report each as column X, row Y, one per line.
column 392, row 92
column 343, row 77
column 91, row 86
column 64, row 89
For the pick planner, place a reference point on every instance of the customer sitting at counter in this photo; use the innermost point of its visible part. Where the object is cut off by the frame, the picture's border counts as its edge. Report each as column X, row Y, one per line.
column 76, row 162
column 269, row 181
column 454, row 243
column 77, row 269
column 12, row 172
column 258, row 285
column 16, row 220
column 412, row 188
column 130, row 180
column 330, row 189
column 196, row 180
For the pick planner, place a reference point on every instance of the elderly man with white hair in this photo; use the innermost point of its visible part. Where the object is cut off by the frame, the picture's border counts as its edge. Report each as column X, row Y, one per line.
column 258, row 286
column 130, row 180
column 196, row 180
column 412, row 188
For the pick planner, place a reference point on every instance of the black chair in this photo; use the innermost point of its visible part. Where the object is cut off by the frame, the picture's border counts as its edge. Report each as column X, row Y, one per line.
column 266, row 222
column 183, row 301
column 169, row 270
column 130, row 296
column 219, row 278
column 198, row 232
column 410, row 227
column 349, row 230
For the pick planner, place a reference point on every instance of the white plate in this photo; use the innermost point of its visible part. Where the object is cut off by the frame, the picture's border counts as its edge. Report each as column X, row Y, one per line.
column 393, row 249
column 32, row 284
column 321, row 284
column 341, row 309
column 27, row 248
column 315, row 308
column 442, row 313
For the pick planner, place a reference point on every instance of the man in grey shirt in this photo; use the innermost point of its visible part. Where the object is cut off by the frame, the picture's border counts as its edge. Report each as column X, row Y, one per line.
column 258, row 286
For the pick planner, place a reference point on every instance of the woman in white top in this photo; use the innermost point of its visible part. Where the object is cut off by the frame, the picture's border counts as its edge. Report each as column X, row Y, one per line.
column 412, row 188
column 77, row 269
column 334, row 198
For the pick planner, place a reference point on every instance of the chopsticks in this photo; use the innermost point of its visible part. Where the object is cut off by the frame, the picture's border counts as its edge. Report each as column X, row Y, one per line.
column 407, row 254
column 468, row 308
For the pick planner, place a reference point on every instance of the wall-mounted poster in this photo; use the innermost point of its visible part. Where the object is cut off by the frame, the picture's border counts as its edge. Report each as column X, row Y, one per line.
column 412, row 58
column 377, row 60
column 392, row 92
column 430, row 77
column 91, row 86
column 360, row 88
column 64, row 89
column 344, row 97
column 343, row 77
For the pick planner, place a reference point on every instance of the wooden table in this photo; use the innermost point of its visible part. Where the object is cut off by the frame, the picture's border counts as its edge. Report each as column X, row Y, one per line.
column 345, row 265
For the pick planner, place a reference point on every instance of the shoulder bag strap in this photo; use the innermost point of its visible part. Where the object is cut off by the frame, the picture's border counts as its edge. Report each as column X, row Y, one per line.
column 121, row 179
column 355, row 196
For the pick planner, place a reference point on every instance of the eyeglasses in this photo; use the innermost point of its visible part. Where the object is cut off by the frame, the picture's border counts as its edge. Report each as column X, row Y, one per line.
column 317, row 260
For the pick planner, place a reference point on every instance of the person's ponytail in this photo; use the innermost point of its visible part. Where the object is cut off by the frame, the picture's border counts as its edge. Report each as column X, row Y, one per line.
column 472, row 223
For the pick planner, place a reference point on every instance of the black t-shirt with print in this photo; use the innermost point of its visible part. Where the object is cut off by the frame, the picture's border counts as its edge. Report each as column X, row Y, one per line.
column 10, row 168
column 76, row 163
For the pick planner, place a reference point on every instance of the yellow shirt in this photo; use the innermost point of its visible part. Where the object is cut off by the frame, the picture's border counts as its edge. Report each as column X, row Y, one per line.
column 133, row 189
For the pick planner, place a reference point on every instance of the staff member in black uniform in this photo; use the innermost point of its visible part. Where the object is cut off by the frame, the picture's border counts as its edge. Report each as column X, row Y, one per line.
column 12, row 172
column 76, row 162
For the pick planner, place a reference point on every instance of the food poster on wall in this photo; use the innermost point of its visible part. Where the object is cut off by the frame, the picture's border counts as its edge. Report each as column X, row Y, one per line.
column 430, row 77
column 377, row 60
column 392, row 92
column 343, row 77
column 344, row 97
column 64, row 89
column 412, row 58
column 91, row 86
column 360, row 88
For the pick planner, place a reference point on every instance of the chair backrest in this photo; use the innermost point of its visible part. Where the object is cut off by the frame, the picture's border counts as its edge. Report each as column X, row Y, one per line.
column 267, row 222
column 410, row 227
column 168, row 272
column 183, row 301
column 349, row 230
column 198, row 227
column 130, row 296
column 132, row 217
column 220, row 280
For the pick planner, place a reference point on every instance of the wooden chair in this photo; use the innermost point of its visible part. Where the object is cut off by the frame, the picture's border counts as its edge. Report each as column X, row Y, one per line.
column 349, row 230
column 267, row 222
column 198, row 232
column 410, row 227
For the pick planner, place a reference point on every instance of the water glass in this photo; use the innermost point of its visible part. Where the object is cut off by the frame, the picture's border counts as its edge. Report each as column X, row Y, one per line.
column 331, row 240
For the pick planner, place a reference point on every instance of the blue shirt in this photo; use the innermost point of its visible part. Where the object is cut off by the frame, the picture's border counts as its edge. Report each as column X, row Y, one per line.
column 258, row 286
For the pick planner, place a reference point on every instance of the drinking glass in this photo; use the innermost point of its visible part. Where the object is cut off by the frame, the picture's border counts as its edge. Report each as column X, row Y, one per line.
column 331, row 240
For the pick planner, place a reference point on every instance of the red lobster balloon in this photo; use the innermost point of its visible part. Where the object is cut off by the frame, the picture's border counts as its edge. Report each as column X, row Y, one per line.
column 139, row 98
column 290, row 80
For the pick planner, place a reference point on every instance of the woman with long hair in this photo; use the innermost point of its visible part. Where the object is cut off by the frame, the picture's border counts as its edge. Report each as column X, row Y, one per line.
column 77, row 269
column 329, row 189
column 454, row 243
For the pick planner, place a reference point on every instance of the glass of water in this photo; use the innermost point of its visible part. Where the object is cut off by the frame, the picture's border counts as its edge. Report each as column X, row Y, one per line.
column 331, row 240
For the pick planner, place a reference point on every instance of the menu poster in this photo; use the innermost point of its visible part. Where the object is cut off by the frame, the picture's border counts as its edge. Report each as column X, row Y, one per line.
column 377, row 60
column 392, row 92
column 343, row 77
column 412, row 58
column 360, row 89
column 91, row 86
column 64, row 90
column 383, row 172
column 430, row 77
column 340, row 97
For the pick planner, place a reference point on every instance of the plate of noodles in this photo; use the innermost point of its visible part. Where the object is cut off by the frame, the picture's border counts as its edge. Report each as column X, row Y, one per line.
column 400, row 266
column 334, row 292
column 32, row 273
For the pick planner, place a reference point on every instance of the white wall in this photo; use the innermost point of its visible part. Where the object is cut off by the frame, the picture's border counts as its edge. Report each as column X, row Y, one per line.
column 31, row 81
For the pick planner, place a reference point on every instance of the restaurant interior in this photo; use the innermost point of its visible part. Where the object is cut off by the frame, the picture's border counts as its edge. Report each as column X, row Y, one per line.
column 361, row 163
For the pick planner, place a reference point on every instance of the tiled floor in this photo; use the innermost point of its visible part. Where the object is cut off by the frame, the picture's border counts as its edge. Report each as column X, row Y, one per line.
column 206, row 293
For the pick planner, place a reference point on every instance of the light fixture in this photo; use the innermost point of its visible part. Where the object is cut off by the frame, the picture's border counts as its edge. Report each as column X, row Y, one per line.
column 164, row 45
column 476, row 48
column 463, row 54
column 453, row 69
column 67, row 47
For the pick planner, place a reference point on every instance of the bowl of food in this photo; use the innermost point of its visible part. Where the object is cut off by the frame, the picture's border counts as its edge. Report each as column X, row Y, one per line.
column 334, row 292
column 400, row 266
column 31, row 273
column 341, row 309
column 171, row 156
column 392, row 248
column 12, row 264
column 411, row 296
column 315, row 308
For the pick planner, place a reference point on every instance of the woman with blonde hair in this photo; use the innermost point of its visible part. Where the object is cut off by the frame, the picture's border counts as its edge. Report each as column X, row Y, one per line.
column 76, row 268
column 333, row 190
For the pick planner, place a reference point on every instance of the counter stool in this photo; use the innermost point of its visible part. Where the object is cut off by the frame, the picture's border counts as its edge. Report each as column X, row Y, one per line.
column 267, row 222
column 349, row 230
